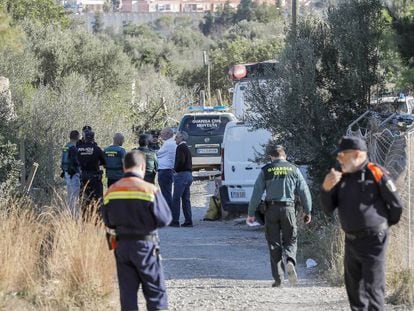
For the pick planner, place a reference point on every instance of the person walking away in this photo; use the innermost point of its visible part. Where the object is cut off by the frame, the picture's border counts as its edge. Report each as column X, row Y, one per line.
column 282, row 181
column 368, row 203
column 166, row 157
column 183, row 179
column 71, row 171
column 151, row 162
column 114, row 157
column 91, row 157
column 133, row 210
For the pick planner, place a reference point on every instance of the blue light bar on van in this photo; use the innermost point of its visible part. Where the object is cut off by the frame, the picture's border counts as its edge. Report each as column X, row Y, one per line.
column 206, row 109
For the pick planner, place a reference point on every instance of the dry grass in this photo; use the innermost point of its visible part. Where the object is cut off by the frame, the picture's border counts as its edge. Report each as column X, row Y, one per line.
column 400, row 280
column 326, row 245
column 55, row 261
column 21, row 237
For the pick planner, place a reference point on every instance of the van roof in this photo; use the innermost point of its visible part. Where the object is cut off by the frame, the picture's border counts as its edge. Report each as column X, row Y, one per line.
column 208, row 113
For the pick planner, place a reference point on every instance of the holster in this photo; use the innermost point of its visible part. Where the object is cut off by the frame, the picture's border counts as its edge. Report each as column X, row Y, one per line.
column 110, row 238
column 260, row 213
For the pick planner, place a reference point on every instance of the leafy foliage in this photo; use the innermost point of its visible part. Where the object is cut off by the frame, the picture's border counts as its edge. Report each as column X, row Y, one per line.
column 323, row 82
column 45, row 12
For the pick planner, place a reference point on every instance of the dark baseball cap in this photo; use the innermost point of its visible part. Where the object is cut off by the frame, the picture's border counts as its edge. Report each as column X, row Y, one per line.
column 351, row 143
column 86, row 128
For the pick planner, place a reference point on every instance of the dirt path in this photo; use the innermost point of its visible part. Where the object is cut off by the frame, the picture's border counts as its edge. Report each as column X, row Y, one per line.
column 224, row 265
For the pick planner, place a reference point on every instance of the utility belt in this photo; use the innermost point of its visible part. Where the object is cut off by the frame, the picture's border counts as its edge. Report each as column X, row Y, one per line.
column 137, row 237
column 279, row 203
column 366, row 232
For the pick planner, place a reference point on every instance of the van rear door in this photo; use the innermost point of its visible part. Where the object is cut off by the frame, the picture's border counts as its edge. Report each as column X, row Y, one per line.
column 242, row 145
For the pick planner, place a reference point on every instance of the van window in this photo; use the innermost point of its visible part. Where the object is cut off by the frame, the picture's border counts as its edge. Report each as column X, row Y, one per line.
column 203, row 125
column 243, row 144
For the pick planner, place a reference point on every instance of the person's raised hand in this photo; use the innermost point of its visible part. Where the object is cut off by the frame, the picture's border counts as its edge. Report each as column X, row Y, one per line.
column 331, row 179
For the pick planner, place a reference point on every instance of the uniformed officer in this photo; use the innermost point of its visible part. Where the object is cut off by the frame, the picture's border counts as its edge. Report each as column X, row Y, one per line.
column 114, row 158
column 91, row 157
column 71, row 170
column 86, row 128
column 134, row 209
column 367, row 203
column 150, row 158
column 281, row 180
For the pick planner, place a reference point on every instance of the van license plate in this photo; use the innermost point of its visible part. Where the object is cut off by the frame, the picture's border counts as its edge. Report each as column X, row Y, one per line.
column 207, row 151
column 237, row 194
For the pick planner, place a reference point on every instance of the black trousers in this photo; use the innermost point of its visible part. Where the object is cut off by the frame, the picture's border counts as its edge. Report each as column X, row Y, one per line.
column 281, row 236
column 365, row 271
column 150, row 177
column 91, row 192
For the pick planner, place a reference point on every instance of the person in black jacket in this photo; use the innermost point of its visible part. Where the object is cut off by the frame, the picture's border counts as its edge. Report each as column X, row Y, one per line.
column 91, row 158
column 368, row 203
column 133, row 211
column 183, row 179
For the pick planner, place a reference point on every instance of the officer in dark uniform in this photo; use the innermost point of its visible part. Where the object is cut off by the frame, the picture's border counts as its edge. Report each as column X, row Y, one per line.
column 134, row 209
column 86, row 128
column 282, row 181
column 114, row 158
column 367, row 203
column 91, row 157
column 150, row 158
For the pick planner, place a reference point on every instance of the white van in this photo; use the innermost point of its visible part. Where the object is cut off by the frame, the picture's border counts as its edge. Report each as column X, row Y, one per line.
column 239, row 171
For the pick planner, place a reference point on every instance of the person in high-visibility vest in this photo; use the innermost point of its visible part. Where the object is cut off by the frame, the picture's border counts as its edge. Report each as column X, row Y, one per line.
column 134, row 209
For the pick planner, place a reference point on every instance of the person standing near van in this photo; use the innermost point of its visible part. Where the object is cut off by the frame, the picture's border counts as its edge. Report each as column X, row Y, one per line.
column 183, row 179
column 114, row 158
column 166, row 157
column 281, row 180
column 151, row 162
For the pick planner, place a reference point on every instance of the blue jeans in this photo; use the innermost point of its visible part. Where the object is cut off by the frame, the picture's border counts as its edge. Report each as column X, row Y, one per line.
column 182, row 183
column 165, row 181
column 73, row 189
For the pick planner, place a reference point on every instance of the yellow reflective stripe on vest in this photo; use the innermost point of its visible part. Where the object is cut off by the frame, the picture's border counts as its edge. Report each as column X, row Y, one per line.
column 129, row 195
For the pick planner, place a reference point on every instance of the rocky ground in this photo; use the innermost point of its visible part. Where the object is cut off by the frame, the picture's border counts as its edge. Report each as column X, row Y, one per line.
column 224, row 265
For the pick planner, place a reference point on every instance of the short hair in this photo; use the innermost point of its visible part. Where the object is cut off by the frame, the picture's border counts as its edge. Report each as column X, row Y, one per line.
column 143, row 140
column 74, row 135
column 168, row 131
column 276, row 151
column 118, row 137
column 133, row 158
column 183, row 134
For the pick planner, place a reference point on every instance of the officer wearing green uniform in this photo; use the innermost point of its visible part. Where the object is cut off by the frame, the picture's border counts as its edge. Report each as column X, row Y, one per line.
column 150, row 158
column 114, row 158
column 71, row 170
column 282, row 181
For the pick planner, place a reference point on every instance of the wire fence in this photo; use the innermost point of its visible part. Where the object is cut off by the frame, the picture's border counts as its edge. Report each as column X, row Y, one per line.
column 390, row 140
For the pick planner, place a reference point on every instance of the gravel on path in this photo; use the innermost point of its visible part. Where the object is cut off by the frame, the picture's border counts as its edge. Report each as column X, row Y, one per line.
column 224, row 265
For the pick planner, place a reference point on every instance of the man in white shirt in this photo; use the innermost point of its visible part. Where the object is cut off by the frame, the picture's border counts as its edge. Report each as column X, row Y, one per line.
column 166, row 158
